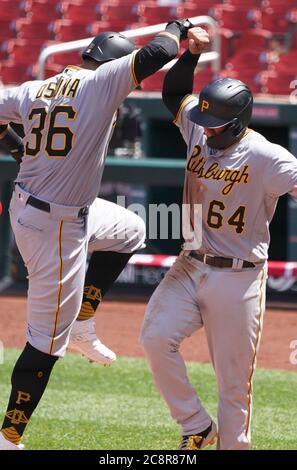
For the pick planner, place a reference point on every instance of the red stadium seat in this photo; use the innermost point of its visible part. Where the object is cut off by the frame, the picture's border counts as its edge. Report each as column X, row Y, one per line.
column 138, row 24
column 117, row 2
column 52, row 69
column 119, row 25
column 150, row 13
column 6, row 29
column 276, row 84
column 202, row 78
column 23, row 52
column 276, row 3
column 140, row 42
column 250, row 77
column 39, row 11
column 67, row 58
column 154, row 82
column 226, row 36
column 190, row 9
column 86, row 2
column 118, row 12
column 293, row 16
column 255, row 39
column 275, row 19
column 235, row 18
column 245, row 65
column 294, row 36
column 286, row 63
column 244, row 3
column 65, row 30
column 12, row 72
column 58, row 62
column 245, row 60
column 10, row 10
column 98, row 27
column 79, row 13
column 28, row 29
column 52, row 3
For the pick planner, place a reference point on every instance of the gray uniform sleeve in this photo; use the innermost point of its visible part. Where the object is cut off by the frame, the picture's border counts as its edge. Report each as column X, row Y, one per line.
column 280, row 174
column 119, row 77
column 10, row 105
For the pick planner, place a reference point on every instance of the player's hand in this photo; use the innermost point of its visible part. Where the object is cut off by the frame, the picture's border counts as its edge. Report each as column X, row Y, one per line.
column 198, row 40
column 183, row 25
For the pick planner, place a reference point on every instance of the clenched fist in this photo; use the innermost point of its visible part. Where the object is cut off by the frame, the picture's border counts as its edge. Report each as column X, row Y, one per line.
column 198, row 40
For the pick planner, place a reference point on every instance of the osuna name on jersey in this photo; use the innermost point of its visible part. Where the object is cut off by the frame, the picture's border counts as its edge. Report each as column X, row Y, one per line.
column 63, row 87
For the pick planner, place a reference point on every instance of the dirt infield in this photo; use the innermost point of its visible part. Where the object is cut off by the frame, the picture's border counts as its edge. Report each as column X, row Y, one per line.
column 118, row 325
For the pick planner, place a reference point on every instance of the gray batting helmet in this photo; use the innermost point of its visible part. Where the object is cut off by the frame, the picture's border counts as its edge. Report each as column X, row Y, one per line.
column 108, row 46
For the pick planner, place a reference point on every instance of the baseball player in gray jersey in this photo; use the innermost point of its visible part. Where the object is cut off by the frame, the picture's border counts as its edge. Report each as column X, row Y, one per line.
column 55, row 213
column 237, row 176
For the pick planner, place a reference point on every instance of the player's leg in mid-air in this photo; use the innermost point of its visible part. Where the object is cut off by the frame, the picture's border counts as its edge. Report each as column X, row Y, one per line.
column 54, row 249
column 115, row 233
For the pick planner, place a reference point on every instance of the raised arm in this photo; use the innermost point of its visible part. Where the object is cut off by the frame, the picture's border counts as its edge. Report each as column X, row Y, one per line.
column 179, row 80
column 162, row 49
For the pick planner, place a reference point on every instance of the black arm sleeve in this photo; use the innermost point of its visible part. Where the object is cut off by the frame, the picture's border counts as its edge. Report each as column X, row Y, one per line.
column 178, row 82
column 3, row 129
column 155, row 54
column 12, row 142
column 18, row 128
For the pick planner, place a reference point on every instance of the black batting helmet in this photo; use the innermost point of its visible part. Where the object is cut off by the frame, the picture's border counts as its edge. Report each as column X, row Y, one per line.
column 224, row 102
column 108, row 46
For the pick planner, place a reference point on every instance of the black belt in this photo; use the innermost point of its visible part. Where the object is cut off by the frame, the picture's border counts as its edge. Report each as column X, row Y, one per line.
column 218, row 261
column 46, row 207
column 38, row 204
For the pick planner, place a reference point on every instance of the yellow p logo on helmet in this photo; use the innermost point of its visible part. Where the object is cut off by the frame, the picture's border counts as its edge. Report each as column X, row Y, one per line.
column 204, row 105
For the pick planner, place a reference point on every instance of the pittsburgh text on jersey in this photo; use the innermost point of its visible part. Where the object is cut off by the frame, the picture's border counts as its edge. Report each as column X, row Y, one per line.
column 197, row 164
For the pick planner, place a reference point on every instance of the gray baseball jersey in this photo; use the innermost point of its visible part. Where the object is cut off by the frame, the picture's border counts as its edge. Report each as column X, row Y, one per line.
column 68, row 122
column 238, row 188
column 64, row 127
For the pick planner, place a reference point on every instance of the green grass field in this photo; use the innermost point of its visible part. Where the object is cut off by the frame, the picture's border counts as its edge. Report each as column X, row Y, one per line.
column 92, row 407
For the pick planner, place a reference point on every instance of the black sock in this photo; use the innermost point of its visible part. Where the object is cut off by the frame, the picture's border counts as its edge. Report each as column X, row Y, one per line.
column 28, row 382
column 104, row 268
column 206, row 431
